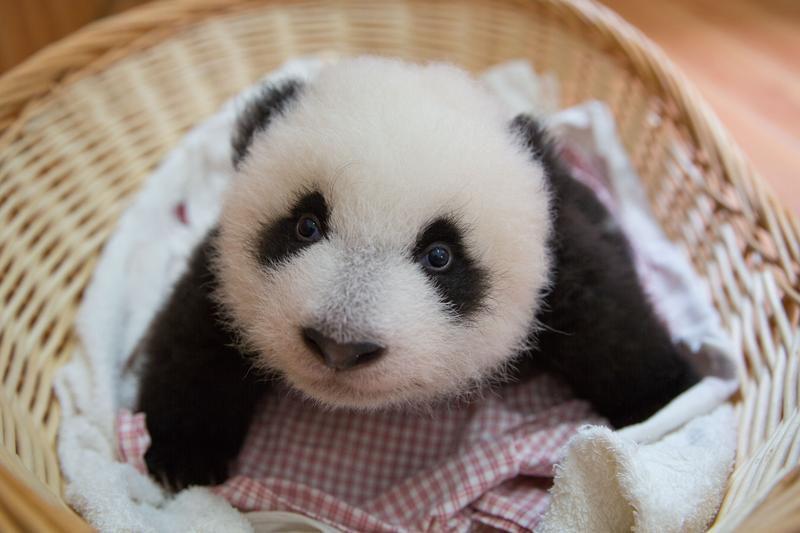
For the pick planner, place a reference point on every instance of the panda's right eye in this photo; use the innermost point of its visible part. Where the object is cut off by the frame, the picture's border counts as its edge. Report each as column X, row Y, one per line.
column 437, row 257
column 308, row 228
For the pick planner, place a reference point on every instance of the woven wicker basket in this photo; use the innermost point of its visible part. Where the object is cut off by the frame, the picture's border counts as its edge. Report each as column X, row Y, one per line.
column 83, row 122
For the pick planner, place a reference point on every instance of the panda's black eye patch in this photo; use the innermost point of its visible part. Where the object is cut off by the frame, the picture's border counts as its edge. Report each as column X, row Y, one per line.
column 306, row 224
column 458, row 278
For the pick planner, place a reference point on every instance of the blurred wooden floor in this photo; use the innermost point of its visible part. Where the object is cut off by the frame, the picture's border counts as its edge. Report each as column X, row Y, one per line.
column 744, row 55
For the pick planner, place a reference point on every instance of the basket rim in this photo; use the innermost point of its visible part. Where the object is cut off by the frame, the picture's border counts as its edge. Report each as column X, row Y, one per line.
column 107, row 40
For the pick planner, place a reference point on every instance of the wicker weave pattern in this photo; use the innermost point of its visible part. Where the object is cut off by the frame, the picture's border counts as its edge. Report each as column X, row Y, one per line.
column 84, row 122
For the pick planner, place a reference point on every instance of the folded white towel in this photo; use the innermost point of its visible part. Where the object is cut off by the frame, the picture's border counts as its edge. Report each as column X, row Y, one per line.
column 610, row 483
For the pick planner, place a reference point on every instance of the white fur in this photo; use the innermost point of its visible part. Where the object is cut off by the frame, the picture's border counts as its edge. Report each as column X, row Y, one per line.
column 391, row 146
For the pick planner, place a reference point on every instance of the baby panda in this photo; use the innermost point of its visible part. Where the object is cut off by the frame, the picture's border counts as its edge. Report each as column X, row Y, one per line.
column 390, row 240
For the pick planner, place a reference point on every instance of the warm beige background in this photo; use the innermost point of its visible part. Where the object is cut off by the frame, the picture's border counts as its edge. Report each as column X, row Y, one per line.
column 744, row 55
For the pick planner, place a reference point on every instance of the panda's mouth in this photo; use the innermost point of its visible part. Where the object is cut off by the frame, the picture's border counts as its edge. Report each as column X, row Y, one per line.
column 352, row 388
column 336, row 393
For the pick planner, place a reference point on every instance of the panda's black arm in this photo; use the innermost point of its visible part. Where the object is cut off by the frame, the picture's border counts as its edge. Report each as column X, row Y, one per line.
column 599, row 331
column 197, row 391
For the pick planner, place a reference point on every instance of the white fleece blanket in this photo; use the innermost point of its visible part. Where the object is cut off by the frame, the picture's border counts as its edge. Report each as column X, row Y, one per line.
column 661, row 475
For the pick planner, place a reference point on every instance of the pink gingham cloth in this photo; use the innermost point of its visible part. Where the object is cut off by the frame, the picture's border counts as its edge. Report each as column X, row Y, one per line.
column 451, row 467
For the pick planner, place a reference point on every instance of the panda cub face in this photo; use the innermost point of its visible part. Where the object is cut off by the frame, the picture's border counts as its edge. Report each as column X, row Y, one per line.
column 384, row 240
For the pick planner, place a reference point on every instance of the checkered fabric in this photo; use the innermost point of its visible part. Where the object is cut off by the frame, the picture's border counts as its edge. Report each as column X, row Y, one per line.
column 488, row 462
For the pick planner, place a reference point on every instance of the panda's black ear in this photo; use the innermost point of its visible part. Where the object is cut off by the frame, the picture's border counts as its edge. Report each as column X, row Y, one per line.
column 270, row 102
column 539, row 143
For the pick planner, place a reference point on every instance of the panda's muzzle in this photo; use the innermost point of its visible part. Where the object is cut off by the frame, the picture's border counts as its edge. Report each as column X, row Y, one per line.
column 338, row 355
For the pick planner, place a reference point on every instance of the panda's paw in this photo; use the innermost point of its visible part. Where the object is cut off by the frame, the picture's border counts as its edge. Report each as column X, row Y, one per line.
column 178, row 467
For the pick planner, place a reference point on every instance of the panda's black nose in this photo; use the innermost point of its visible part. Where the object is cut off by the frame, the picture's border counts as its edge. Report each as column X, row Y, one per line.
column 338, row 355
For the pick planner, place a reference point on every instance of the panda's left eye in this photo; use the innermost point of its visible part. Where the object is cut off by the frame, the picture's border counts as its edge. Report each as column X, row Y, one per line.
column 437, row 257
column 308, row 228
